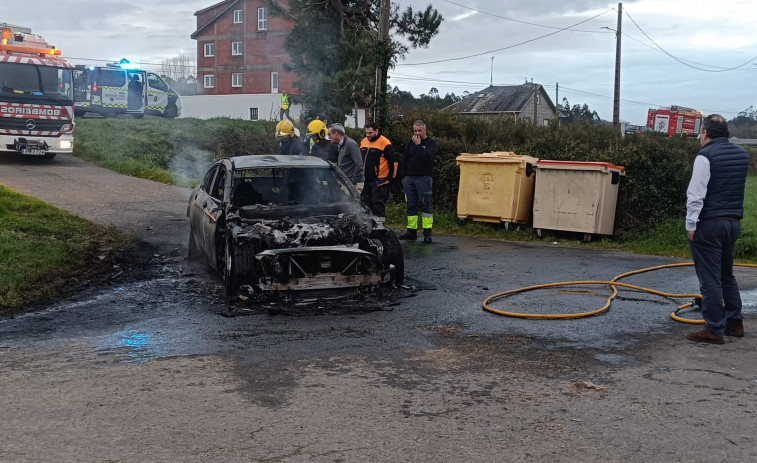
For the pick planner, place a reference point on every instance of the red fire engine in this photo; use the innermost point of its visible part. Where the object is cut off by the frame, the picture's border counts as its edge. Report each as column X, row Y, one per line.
column 36, row 97
column 675, row 120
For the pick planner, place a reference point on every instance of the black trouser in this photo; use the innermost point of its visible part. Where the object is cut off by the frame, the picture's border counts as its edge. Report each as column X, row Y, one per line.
column 374, row 195
column 712, row 252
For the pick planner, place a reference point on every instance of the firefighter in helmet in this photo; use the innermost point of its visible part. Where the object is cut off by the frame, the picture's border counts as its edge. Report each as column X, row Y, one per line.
column 318, row 142
column 290, row 142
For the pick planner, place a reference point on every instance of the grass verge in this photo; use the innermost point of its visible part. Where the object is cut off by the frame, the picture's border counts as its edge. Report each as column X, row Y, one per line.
column 42, row 248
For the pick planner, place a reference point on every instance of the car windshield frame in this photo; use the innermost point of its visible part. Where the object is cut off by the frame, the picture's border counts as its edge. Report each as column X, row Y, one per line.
column 284, row 186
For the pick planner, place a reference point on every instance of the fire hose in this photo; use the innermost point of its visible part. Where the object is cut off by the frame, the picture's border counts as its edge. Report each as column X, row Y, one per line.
column 614, row 284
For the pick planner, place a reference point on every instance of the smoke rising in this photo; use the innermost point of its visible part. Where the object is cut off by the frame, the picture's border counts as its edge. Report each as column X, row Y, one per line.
column 189, row 166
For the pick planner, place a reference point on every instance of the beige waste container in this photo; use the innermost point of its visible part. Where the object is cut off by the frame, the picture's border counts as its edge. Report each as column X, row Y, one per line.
column 495, row 187
column 576, row 196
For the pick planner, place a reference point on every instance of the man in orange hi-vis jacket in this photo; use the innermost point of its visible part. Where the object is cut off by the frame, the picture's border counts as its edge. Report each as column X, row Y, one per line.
column 380, row 168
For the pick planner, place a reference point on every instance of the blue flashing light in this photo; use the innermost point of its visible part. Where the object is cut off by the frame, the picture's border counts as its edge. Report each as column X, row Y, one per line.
column 126, row 64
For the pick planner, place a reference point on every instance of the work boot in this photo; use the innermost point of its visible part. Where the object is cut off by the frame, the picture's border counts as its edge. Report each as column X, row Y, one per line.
column 734, row 328
column 427, row 236
column 705, row 336
column 409, row 235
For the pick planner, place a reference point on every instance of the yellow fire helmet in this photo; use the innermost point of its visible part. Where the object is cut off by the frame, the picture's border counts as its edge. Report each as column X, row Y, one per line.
column 317, row 127
column 284, row 129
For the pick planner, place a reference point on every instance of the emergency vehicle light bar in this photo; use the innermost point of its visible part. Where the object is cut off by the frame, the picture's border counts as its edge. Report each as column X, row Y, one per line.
column 38, row 51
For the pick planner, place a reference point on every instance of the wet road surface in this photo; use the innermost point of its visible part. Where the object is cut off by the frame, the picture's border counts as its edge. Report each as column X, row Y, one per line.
column 156, row 366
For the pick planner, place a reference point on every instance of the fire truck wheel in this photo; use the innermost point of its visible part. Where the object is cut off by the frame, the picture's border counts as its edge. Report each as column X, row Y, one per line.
column 138, row 116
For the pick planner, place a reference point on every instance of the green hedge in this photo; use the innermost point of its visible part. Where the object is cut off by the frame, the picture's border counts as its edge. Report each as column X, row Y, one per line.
column 178, row 151
column 657, row 168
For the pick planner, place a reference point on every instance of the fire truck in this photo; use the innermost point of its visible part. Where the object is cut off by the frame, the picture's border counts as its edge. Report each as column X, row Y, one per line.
column 36, row 97
column 675, row 120
column 122, row 88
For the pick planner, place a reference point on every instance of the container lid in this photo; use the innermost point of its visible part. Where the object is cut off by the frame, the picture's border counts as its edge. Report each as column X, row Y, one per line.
column 579, row 165
column 496, row 156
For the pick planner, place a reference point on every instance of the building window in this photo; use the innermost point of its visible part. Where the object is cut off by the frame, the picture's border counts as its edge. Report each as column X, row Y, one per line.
column 210, row 49
column 238, row 15
column 545, row 122
column 209, row 81
column 262, row 19
column 236, row 79
column 253, row 114
column 538, row 99
column 274, row 82
column 236, row 48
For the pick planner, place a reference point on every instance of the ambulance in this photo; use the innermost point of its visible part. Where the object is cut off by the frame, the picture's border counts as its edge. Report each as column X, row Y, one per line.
column 36, row 97
column 122, row 88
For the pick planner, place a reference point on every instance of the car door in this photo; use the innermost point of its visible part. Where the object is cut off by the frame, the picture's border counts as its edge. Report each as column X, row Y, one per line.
column 114, row 89
column 157, row 93
column 213, row 209
column 200, row 204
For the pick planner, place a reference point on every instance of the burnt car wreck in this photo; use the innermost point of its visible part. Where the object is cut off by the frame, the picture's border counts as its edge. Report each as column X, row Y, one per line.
column 278, row 226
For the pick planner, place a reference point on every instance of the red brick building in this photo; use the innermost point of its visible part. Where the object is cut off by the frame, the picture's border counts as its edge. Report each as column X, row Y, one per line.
column 240, row 49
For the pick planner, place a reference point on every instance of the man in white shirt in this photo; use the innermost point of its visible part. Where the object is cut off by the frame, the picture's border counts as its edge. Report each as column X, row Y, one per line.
column 714, row 208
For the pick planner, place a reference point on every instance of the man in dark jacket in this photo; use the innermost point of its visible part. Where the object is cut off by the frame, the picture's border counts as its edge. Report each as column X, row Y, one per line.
column 418, row 161
column 350, row 161
column 714, row 208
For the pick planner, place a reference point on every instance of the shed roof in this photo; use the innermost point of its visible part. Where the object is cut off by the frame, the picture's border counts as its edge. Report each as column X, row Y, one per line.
column 498, row 99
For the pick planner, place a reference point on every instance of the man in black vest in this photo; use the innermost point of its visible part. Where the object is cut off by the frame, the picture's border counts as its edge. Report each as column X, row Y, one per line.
column 714, row 208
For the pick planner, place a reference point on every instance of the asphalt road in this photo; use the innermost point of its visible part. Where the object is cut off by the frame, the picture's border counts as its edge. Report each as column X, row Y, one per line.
column 156, row 367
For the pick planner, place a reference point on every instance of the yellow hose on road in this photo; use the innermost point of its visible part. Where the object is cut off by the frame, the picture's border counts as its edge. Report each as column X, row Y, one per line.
column 612, row 283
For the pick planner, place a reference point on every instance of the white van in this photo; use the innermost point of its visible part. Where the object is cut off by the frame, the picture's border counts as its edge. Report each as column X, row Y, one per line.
column 112, row 90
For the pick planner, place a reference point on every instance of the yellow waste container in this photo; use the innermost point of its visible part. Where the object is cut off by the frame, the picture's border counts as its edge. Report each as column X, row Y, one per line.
column 576, row 196
column 495, row 187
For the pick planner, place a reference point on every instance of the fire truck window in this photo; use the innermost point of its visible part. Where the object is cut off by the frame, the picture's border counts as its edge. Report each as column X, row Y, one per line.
column 112, row 78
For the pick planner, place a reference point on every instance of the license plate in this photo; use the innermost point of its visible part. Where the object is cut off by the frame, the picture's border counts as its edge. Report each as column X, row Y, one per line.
column 33, row 152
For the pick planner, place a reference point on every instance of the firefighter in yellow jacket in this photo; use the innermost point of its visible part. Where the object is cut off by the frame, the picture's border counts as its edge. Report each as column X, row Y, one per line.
column 380, row 168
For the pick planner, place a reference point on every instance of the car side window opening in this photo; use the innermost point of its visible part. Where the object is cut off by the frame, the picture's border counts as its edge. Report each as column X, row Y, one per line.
column 207, row 181
column 216, row 190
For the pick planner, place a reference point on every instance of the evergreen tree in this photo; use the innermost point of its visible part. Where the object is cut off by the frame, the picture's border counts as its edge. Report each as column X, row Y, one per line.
column 335, row 50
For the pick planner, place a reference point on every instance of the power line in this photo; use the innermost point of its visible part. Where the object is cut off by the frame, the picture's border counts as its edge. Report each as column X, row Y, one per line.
column 508, row 47
column 682, row 61
column 518, row 20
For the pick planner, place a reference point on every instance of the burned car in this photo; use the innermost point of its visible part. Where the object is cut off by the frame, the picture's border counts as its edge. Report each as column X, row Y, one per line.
column 282, row 225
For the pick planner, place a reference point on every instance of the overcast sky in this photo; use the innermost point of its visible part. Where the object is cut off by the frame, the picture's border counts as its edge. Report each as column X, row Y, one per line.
column 691, row 53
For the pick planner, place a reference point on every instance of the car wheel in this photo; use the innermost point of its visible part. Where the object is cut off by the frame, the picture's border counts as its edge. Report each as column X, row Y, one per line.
column 238, row 266
column 171, row 111
column 393, row 256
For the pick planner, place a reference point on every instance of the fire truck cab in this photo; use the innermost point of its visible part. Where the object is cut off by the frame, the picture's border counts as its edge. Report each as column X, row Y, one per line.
column 675, row 120
column 36, row 97
column 121, row 88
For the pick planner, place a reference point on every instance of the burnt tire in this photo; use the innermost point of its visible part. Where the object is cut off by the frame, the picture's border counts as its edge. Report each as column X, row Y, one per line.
column 237, row 267
column 393, row 256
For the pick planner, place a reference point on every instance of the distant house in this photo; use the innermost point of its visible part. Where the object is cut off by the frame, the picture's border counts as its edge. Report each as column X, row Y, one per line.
column 514, row 100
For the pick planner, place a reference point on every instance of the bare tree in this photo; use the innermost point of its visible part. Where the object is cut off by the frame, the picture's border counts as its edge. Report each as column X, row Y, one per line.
column 179, row 68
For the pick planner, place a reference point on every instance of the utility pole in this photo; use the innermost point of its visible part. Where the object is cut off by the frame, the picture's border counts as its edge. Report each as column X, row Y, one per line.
column 616, row 96
column 381, row 108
